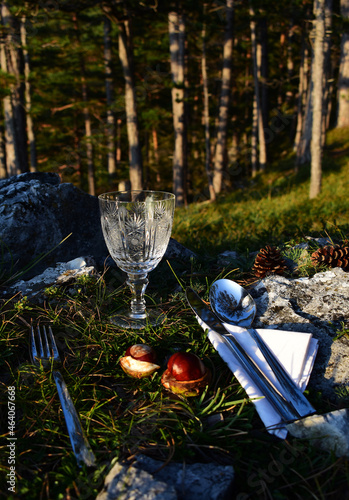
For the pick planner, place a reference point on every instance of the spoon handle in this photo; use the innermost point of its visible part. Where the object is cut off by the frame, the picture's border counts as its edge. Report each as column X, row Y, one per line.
column 291, row 391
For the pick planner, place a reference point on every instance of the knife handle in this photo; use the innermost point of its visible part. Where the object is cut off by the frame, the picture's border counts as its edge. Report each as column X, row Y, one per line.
column 292, row 392
column 271, row 393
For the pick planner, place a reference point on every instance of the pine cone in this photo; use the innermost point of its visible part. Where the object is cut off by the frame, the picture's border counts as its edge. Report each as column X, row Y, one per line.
column 269, row 261
column 332, row 256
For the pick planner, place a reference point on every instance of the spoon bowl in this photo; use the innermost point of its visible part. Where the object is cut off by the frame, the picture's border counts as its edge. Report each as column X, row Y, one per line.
column 232, row 303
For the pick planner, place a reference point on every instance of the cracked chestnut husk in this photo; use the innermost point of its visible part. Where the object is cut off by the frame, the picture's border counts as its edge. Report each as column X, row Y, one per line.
column 139, row 361
column 186, row 375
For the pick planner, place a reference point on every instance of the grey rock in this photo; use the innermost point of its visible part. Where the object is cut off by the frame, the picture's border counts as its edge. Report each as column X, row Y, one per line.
column 125, row 482
column 210, row 481
column 227, row 257
column 149, row 479
column 318, row 305
column 320, row 241
column 37, row 212
column 176, row 250
column 63, row 273
column 329, row 432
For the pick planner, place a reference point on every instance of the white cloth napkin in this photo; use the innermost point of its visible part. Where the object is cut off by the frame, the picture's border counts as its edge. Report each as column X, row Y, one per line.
column 296, row 351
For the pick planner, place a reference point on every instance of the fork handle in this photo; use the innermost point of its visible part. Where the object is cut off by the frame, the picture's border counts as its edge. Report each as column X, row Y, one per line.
column 78, row 439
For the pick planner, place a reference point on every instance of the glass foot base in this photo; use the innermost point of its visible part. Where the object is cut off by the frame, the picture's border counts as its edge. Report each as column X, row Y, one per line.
column 154, row 317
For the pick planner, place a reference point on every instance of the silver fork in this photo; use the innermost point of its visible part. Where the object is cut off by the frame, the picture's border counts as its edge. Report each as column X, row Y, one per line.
column 44, row 350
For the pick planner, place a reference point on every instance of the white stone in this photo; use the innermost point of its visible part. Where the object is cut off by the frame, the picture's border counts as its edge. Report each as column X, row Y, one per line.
column 329, row 432
column 125, row 482
column 61, row 273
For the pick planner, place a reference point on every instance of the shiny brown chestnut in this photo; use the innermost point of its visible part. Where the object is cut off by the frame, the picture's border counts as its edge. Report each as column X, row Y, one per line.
column 186, row 374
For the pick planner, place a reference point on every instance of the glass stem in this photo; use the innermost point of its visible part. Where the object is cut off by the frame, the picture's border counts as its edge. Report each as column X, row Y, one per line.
column 137, row 283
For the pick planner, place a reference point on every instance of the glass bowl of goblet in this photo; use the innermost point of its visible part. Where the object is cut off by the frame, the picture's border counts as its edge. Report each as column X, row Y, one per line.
column 137, row 227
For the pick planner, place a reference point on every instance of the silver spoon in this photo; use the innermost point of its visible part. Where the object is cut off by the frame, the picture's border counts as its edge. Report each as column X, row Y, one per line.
column 235, row 306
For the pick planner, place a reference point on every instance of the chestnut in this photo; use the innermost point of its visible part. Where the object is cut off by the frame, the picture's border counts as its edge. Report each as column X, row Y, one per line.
column 185, row 366
column 139, row 361
column 186, row 374
column 142, row 352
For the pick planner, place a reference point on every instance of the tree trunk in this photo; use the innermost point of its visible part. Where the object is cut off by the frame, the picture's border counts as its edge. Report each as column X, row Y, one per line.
column 317, row 80
column 3, row 173
column 135, row 155
column 156, row 155
column 254, row 137
column 88, row 135
column 14, row 67
column 15, row 130
column 221, row 145
column 263, row 77
column 27, row 93
column 176, row 26
column 327, row 76
column 206, row 116
column 111, row 163
column 290, row 63
column 118, row 140
column 302, row 93
column 12, row 166
column 256, row 71
column 87, row 118
column 303, row 150
column 343, row 78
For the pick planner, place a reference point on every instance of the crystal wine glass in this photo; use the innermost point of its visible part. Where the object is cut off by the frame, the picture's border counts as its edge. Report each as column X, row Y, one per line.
column 137, row 227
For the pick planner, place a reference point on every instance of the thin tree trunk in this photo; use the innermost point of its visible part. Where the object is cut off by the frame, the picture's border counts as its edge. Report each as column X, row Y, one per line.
column 290, row 63
column 87, row 119
column 206, row 115
column 15, row 131
column 303, row 150
column 343, row 78
column 263, row 77
column 111, row 163
column 27, row 93
column 256, row 70
column 77, row 150
column 317, row 79
column 14, row 67
column 135, row 155
column 282, row 58
column 12, row 165
column 118, row 140
column 3, row 173
column 254, row 137
column 302, row 93
column 88, row 135
column 156, row 155
column 327, row 77
column 176, row 26
column 221, row 145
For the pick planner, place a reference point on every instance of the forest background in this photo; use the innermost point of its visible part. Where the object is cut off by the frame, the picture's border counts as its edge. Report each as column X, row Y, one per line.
column 191, row 97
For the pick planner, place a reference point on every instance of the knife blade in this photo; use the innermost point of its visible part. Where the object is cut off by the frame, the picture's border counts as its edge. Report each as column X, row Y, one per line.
column 286, row 410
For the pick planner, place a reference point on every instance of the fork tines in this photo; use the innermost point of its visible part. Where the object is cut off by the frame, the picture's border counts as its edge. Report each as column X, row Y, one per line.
column 47, row 347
